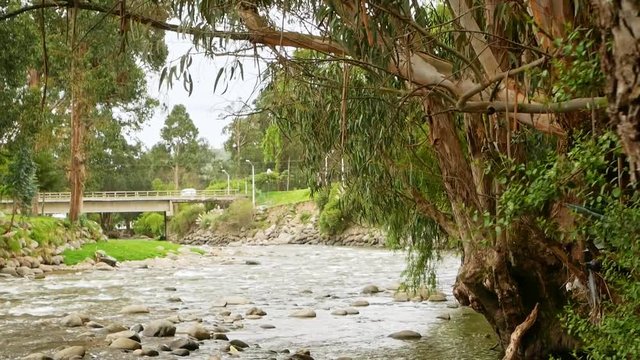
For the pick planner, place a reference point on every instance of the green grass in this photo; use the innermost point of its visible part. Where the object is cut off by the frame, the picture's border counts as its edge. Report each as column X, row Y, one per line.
column 197, row 250
column 122, row 250
column 274, row 198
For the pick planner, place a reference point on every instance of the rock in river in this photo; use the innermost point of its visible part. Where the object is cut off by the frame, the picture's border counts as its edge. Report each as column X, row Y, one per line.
column 183, row 343
column 125, row 344
column 127, row 334
column 360, row 303
column 134, row 309
column 37, row 356
column 405, row 335
column 339, row 312
column 239, row 344
column 437, row 297
column 71, row 320
column 180, row 352
column 256, row 311
column 198, row 332
column 370, row 289
column 70, row 353
column 159, row 328
column 304, row 313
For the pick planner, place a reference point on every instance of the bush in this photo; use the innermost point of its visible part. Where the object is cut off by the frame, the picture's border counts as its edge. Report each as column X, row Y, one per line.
column 333, row 219
column 238, row 215
column 322, row 198
column 185, row 219
column 305, row 217
column 149, row 224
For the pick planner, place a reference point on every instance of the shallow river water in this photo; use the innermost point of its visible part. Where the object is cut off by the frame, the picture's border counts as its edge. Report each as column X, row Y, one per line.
column 287, row 278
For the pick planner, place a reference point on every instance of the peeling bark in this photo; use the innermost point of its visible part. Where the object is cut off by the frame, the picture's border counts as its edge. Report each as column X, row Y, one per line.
column 620, row 20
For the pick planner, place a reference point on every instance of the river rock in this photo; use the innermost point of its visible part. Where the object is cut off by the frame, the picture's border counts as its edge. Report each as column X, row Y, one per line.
column 70, row 353
column 453, row 306
column 238, row 344
column 134, row 309
column 236, row 300
column 170, row 288
column 180, row 352
column 125, row 344
column 137, row 328
column 304, row 313
column 405, row 335
column 146, row 351
column 360, row 303
column 183, row 343
column 102, row 257
column 37, row 356
column 9, row 271
column 198, row 332
column 444, row 317
column 401, row 296
column 352, row 311
column 71, row 320
column 370, row 289
column 339, row 312
column 114, row 328
column 127, row 334
column 437, row 297
column 159, row 328
column 252, row 262
column 220, row 336
column 219, row 303
column 174, row 299
column 256, row 311
column 267, row 326
column 94, row 325
column 24, row 271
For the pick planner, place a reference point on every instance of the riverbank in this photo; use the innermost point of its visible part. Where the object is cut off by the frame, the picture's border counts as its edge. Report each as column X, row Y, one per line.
column 287, row 224
column 238, row 295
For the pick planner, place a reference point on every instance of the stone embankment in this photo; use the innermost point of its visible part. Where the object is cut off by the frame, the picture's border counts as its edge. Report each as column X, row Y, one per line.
column 290, row 230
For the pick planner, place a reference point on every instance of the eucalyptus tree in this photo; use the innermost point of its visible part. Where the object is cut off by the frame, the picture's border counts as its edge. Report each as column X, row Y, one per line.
column 457, row 108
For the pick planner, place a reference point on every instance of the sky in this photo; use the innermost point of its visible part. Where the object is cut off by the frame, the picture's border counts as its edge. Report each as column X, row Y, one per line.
column 209, row 111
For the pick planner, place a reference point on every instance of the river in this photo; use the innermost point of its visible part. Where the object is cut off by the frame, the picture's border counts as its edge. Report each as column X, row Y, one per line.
column 286, row 278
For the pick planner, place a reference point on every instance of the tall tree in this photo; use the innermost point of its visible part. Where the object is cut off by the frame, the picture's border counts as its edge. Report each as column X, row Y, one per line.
column 180, row 137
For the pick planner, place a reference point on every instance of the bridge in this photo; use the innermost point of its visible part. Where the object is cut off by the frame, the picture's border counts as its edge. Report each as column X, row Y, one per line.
column 127, row 201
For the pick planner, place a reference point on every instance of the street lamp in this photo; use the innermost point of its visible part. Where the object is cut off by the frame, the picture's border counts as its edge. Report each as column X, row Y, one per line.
column 228, row 181
column 253, row 182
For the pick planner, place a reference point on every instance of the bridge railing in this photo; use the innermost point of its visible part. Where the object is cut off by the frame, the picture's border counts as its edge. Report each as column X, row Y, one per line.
column 159, row 194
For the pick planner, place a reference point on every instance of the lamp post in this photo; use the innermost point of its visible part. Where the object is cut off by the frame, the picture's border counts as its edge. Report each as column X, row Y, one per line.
column 253, row 183
column 228, row 181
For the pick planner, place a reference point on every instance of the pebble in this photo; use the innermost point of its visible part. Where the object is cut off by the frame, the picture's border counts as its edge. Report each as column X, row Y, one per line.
column 70, row 353
column 370, row 289
column 239, row 344
column 256, row 311
column 444, row 317
column 125, row 344
column 220, row 336
column 134, row 309
column 360, row 303
column 71, row 320
column 183, row 343
column 437, row 297
column 267, row 326
column 180, row 352
column 339, row 312
column 304, row 313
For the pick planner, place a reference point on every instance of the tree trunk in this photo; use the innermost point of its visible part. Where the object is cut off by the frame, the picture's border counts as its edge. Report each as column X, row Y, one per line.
column 620, row 20
column 502, row 277
column 176, row 169
column 77, row 169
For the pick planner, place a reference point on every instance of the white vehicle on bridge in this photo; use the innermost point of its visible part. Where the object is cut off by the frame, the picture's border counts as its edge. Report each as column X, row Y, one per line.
column 188, row 192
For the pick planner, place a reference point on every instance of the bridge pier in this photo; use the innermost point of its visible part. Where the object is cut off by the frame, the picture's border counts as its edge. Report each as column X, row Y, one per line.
column 166, row 235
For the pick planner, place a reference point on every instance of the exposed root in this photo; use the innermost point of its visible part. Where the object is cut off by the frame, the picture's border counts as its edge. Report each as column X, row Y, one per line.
column 516, row 336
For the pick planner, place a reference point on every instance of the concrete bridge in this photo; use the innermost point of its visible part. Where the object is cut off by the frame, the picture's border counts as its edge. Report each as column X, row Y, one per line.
column 127, row 201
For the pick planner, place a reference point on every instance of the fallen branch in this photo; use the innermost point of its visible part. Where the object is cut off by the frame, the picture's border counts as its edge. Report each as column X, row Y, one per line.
column 516, row 335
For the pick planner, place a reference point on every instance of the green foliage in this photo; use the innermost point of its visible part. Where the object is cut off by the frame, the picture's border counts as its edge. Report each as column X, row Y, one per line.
column 333, row 218
column 322, row 197
column 305, row 216
column 185, row 219
column 237, row 216
column 613, row 334
column 21, row 178
column 234, row 184
column 149, row 224
column 122, row 250
column 578, row 70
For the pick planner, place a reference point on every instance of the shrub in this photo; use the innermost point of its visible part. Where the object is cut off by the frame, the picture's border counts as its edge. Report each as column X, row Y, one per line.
column 333, row 219
column 304, row 217
column 185, row 219
column 322, row 198
column 149, row 224
column 238, row 215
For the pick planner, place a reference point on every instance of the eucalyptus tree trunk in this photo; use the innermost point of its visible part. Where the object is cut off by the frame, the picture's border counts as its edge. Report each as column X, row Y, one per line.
column 621, row 20
column 78, row 126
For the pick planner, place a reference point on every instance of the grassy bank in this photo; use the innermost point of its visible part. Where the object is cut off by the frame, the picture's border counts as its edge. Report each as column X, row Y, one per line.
column 275, row 198
column 122, row 250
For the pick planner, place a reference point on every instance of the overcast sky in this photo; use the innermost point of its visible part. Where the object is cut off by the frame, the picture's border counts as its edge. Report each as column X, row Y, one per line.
column 205, row 107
